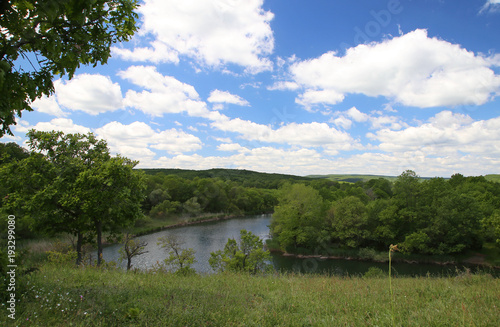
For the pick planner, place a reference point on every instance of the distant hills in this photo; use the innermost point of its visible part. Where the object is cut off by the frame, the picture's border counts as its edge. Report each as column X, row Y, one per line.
column 232, row 174
column 243, row 174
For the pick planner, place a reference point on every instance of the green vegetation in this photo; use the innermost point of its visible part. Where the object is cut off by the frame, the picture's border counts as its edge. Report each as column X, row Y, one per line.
column 61, row 296
column 431, row 217
column 71, row 184
column 56, row 37
column 247, row 255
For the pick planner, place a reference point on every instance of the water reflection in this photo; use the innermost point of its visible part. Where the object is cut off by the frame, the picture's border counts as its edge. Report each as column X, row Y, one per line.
column 203, row 238
column 212, row 236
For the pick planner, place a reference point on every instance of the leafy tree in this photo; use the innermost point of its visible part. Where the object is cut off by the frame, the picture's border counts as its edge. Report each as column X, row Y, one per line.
column 406, row 188
column 11, row 152
column 299, row 216
column 131, row 248
column 71, row 184
column 249, row 255
column 349, row 219
column 178, row 258
column 112, row 193
column 41, row 39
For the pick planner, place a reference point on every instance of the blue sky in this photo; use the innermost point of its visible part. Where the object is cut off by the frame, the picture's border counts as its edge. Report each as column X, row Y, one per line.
column 298, row 87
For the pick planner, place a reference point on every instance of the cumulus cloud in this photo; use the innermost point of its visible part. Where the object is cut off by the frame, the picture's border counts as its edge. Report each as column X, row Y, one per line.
column 412, row 69
column 48, row 105
column 137, row 139
column 305, row 134
column 213, row 33
column 376, row 119
column 92, row 94
column 161, row 94
column 59, row 124
column 218, row 96
column 444, row 134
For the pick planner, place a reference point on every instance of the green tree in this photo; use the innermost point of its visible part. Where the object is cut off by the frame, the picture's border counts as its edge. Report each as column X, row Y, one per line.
column 298, row 217
column 70, row 183
column 247, row 255
column 349, row 221
column 42, row 39
column 178, row 258
column 11, row 152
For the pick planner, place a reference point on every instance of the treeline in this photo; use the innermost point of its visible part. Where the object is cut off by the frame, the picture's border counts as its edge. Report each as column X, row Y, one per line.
column 174, row 195
column 435, row 216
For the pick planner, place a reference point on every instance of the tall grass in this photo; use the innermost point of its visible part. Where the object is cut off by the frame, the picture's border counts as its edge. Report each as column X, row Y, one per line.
column 64, row 296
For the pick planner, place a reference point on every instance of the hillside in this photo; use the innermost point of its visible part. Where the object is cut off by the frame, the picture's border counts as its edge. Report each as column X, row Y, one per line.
column 237, row 175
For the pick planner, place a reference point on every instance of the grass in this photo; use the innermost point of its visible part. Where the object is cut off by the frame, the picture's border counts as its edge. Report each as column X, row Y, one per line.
column 64, row 296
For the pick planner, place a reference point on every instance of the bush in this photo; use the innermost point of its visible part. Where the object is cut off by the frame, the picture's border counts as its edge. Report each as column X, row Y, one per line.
column 374, row 272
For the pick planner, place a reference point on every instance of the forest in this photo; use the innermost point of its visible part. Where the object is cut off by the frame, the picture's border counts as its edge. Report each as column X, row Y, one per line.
column 50, row 193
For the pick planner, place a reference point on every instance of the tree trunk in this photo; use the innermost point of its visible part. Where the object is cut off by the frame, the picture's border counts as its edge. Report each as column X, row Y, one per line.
column 79, row 242
column 129, row 262
column 98, row 227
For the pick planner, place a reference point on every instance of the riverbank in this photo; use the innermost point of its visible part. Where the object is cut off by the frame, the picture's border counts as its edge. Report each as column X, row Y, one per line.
column 180, row 222
column 58, row 296
column 488, row 257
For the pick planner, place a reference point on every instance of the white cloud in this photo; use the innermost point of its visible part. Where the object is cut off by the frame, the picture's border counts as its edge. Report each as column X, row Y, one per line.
column 491, row 6
column 218, row 96
column 157, row 53
column 137, row 139
column 343, row 122
column 59, row 124
column 166, row 94
column 446, row 134
column 357, row 115
column 312, row 97
column 377, row 120
column 93, row 94
column 412, row 69
column 306, row 134
column 49, row 106
column 283, row 86
column 232, row 147
column 214, row 33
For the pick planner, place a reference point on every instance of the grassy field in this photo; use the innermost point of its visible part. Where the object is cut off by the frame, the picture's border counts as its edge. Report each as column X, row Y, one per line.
column 59, row 296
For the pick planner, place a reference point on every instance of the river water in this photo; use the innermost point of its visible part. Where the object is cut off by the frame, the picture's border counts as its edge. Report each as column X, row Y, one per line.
column 212, row 236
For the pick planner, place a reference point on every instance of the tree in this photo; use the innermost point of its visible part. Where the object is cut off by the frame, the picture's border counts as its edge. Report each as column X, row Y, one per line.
column 179, row 258
column 70, row 183
column 298, row 217
column 11, row 152
column 42, row 39
column 348, row 218
column 131, row 248
column 249, row 255
column 112, row 193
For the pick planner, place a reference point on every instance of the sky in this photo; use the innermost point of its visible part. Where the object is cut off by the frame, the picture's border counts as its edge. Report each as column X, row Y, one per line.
column 296, row 87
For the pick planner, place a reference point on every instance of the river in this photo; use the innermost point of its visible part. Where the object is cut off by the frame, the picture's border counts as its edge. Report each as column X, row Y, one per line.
column 212, row 236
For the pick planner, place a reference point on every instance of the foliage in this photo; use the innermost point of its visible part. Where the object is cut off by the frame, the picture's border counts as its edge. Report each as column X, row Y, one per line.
column 424, row 216
column 178, row 258
column 71, row 184
column 298, row 217
column 42, row 39
column 173, row 195
column 248, row 255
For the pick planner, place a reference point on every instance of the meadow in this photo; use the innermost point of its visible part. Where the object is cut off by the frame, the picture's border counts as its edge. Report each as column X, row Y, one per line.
column 58, row 295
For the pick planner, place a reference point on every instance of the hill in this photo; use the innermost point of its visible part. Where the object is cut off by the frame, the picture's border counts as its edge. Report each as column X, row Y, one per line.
column 237, row 175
